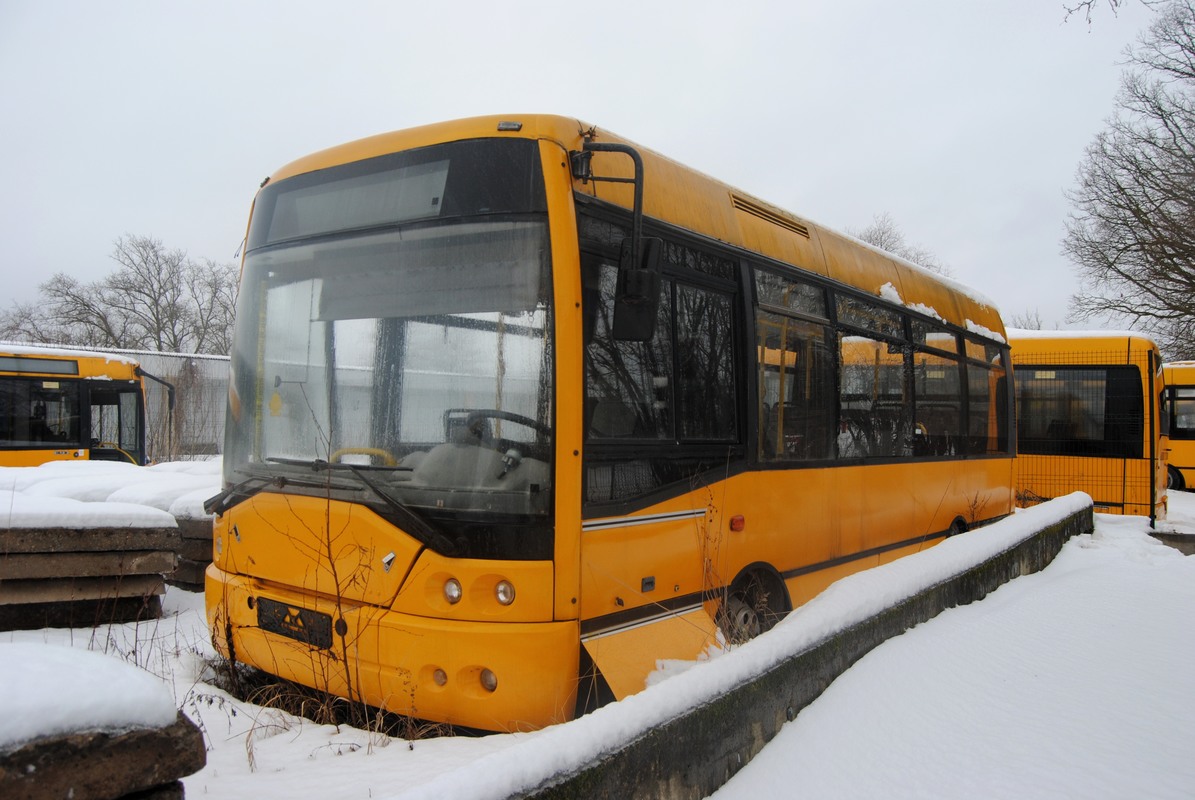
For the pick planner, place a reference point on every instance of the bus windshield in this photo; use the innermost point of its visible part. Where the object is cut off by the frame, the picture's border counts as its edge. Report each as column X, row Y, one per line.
column 418, row 351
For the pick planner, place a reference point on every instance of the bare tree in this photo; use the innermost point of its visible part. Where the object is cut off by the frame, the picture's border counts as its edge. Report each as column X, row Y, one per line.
column 1085, row 8
column 157, row 299
column 1132, row 231
column 884, row 233
column 1027, row 320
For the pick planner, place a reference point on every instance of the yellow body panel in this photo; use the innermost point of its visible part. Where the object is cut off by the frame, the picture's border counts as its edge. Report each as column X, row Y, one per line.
column 799, row 521
column 32, row 458
column 1116, row 485
column 389, row 659
column 328, row 548
column 627, row 657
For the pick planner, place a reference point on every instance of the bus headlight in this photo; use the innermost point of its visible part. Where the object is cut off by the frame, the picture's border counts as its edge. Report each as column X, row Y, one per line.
column 452, row 591
column 505, row 592
column 489, row 681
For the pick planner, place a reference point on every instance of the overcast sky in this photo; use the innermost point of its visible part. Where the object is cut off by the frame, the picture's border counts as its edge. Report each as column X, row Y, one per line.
column 964, row 121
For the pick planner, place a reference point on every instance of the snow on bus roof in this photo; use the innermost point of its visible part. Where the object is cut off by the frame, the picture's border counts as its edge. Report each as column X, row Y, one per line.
column 1025, row 333
column 892, row 294
column 25, row 349
column 969, row 292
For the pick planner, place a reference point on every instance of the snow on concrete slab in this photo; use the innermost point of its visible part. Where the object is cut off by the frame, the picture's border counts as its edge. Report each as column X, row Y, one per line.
column 93, row 494
column 48, row 690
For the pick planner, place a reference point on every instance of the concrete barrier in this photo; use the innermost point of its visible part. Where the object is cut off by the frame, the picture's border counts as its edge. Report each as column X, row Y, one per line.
column 1182, row 542
column 141, row 764
column 194, row 554
column 692, row 755
column 71, row 577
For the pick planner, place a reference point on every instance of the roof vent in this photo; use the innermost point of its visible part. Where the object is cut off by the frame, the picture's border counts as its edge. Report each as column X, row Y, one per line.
column 775, row 217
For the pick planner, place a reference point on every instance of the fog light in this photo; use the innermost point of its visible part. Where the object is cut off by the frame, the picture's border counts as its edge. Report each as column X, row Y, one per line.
column 489, row 681
column 440, row 677
column 505, row 592
column 452, row 591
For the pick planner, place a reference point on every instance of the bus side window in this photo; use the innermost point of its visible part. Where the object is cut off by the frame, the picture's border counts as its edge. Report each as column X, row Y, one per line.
column 630, row 382
column 39, row 431
column 796, row 378
column 873, row 399
column 706, row 397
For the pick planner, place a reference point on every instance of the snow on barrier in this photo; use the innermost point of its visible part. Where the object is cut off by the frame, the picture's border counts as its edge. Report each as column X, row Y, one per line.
column 686, row 736
column 83, row 725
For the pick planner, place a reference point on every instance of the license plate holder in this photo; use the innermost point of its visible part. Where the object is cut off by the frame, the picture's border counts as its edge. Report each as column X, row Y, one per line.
column 301, row 624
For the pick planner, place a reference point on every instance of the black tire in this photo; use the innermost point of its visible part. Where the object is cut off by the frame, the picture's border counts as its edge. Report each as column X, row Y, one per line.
column 755, row 603
column 1174, row 480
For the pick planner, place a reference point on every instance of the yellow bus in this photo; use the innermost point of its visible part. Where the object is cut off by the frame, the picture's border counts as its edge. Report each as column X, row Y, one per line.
column 63, row 405
column 519, row 408
column 1088, row 419
column 1180, row 414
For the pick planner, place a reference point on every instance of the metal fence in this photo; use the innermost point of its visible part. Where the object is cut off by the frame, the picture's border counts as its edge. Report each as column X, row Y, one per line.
column 195, row 426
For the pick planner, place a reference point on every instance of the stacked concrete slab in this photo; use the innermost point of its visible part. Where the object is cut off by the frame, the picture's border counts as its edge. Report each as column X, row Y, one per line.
column 194, row 553
column 66, row 577
column 142, row 763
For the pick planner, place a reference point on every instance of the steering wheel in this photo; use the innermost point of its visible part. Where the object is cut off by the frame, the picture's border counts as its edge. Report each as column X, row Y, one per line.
column 473, row 420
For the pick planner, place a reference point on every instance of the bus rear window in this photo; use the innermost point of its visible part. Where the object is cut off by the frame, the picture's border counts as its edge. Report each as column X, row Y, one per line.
column 1080, row 411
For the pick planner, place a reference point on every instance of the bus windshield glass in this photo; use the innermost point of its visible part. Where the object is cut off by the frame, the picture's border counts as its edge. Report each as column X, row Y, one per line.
column 407, row 342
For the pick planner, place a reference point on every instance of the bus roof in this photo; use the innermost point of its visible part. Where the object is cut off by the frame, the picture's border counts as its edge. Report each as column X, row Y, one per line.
column 1022, row 334
column 1065, row 344
column 55, row 351
column 703, row 204
column 1177, row 371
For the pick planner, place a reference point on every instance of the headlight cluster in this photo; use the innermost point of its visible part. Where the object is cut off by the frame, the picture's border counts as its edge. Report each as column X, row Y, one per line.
column 481, row 590
column 504, row 592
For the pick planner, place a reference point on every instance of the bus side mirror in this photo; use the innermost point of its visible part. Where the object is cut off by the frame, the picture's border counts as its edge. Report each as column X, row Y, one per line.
column 637, row 296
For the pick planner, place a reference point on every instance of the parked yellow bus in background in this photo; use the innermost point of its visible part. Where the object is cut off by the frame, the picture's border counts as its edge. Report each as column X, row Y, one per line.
column 1089, row 419
column 61, row 404
column 518, row 408
column 1180, row 413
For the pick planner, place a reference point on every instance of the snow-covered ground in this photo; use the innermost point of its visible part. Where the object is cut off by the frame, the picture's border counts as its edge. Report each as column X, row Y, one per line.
column 1073, row 682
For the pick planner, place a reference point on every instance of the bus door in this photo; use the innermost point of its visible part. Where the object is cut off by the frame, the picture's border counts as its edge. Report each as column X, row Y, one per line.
column 117, row 423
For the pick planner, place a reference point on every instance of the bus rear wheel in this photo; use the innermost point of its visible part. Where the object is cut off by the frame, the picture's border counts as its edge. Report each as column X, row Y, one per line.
column 1174, row 479
column 755, row 602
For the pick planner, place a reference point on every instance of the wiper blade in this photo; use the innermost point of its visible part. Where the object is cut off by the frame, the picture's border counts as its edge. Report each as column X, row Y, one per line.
column 234, row 494
column 414, row 524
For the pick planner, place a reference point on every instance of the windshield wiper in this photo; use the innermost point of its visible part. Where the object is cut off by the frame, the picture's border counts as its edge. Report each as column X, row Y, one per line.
column 252, row 485
column 234, row 494
column 414, row 524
